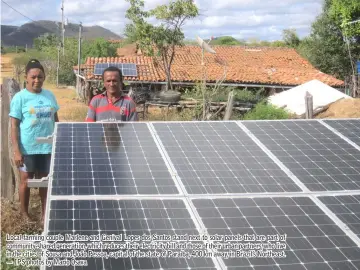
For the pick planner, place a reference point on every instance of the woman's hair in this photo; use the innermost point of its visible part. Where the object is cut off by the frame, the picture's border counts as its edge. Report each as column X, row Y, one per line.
column 33, row 63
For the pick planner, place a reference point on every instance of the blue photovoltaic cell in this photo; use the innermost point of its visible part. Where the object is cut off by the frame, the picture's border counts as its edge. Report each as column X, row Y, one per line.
column 346, row 208
column 313, row 241
column 349, row 128
column 107, row 158
column 128, row 218
column 218, row 157
column 126, row 69
column 318, row 157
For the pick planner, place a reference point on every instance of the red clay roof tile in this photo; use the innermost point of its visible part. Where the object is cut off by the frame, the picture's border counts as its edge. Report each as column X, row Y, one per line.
column 271, row 66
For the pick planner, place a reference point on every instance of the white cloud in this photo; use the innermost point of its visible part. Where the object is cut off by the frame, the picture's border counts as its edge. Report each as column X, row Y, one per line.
column 263, row 19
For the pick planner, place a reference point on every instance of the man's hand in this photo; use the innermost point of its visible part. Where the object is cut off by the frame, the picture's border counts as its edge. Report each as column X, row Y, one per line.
column 18, row 158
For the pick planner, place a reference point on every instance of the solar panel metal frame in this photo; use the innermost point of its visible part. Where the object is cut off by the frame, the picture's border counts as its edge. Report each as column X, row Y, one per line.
column 127, row 69
column 338, row 215
column 187, row 198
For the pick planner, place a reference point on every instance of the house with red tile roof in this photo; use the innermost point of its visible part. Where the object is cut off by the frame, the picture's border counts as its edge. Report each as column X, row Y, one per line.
column 242, row 66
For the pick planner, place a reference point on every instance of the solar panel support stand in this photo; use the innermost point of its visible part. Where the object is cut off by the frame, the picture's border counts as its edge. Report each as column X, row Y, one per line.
column 34, row 183
column 48, row 139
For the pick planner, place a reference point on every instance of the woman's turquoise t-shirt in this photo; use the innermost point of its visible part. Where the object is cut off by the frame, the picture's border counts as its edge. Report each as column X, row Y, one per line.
column 36, row 114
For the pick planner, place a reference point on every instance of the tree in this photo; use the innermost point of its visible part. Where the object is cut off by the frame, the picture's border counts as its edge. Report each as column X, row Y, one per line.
column 278, row 43
column 225, row 41
column 46, row 40
column 98, row 48
column 343, row 12
column 291, row 38
column 161, row 40
column 326, row 48
column 253, row 41
column 264, row 43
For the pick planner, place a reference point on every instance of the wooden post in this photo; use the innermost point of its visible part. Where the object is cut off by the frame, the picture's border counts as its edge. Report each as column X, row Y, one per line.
column 58, row 67
column 87, row 93
column 10, row 177
column 83, row 90
column 229, row 106
column 309, row 109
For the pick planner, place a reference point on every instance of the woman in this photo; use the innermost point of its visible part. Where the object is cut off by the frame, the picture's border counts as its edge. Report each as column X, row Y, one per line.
column 33, row 113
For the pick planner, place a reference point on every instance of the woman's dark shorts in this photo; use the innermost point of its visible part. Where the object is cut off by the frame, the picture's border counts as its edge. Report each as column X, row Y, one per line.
column 36, row 163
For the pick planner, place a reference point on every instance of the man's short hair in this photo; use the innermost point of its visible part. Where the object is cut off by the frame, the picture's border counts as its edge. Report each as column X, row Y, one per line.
column 111, row 68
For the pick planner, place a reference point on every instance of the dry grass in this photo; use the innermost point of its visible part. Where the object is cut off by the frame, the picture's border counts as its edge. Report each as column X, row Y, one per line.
column 13, row 223
column 70, row 109
column 163, row 114
column 6, row 66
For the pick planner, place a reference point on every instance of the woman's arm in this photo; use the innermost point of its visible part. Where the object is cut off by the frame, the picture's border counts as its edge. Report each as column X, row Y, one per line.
column 18, row 158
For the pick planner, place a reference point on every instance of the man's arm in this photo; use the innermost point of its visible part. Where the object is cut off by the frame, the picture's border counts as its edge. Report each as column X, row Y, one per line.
column 91, row 114
column 133, row 115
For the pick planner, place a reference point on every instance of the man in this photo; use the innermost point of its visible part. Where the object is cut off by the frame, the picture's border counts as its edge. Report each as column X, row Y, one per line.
column 112, row 105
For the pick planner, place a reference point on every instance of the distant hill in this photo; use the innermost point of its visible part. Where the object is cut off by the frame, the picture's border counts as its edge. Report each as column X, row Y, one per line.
column 26, row 33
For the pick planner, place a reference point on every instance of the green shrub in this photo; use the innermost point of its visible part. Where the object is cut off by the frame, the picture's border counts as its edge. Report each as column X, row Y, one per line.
column 8, row 263
column 13, row 49
column 263, row 111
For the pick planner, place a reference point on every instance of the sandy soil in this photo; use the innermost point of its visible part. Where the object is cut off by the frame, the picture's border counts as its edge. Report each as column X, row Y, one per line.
column 344, row 108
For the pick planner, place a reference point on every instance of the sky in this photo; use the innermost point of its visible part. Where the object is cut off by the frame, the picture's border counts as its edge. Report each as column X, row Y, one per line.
column 242, row 19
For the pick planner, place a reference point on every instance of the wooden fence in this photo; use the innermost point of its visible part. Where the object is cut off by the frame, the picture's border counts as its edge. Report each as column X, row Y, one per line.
column 10, row 176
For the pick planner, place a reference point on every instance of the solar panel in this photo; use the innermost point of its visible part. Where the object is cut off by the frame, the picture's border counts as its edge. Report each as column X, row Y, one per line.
column 217, row 157
column 126, row 69
column 301, row 235
column 348, row 128
column 108, row 158
column 127, row 221
column 346, row 208
column 187, row 178
column 319, row 158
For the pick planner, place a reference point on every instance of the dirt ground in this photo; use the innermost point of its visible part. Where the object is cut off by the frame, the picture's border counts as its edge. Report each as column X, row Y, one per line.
column 344, row 108
column 13, row 223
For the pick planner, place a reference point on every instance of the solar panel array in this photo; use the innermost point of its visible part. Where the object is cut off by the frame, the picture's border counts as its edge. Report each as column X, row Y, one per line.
column 208, row 195
column 128, row 70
